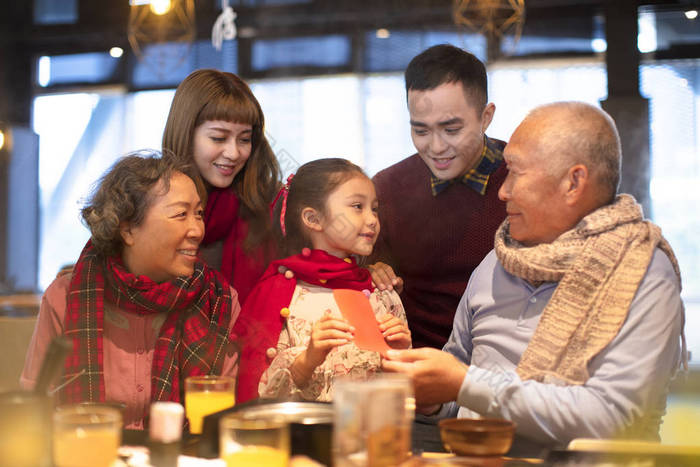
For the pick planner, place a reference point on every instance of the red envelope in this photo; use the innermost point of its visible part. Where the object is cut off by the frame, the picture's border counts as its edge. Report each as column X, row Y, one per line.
column 355, row 307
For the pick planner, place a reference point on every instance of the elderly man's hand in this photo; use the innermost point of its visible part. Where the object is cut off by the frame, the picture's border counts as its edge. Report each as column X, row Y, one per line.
column 437, row 375
column 384, row 277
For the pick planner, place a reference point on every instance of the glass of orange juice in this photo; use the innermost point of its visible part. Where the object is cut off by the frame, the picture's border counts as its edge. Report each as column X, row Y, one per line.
column 249, row 442
column 86, row 435
column 205, row 395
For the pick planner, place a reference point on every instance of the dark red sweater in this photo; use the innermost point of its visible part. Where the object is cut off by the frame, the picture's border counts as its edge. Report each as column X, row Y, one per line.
column 434, row 242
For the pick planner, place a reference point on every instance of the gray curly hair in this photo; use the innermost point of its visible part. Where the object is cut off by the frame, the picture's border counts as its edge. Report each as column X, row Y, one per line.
column 123, row 194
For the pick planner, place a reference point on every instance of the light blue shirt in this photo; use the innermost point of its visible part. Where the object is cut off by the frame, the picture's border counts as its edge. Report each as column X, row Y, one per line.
column 625, row 395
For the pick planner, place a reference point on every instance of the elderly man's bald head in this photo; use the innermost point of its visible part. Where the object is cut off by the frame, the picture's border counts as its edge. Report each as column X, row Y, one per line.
column 563, row 163
column 569, row 133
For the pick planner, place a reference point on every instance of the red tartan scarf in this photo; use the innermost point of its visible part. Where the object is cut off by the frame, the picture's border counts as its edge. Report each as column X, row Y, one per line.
column 259, row 324
column 192, row 341
column 222, row 221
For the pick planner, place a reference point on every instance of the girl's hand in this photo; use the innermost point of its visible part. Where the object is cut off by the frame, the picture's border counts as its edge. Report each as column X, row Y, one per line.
column 327, row 333
column 395, row 332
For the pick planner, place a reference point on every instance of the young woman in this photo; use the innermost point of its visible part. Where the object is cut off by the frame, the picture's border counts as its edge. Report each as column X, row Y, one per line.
column 291, row 321
column 142, row 311
column 216, row 123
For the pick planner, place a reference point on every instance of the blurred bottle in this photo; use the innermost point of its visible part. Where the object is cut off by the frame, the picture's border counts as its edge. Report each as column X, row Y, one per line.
column 165, row 433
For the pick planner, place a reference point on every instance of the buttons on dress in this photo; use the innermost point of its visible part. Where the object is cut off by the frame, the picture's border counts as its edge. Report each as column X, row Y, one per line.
column 140, row 351
column 139, row 387
column 533, row 299
column 288, row 274
column 271, row 353
column 284, row 312
column 305, row 252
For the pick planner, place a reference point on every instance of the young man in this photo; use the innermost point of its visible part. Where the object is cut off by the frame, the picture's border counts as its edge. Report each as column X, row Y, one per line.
column 439, row 209
column 572, row 326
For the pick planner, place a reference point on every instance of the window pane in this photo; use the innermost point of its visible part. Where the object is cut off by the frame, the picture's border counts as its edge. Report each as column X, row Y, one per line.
column 147, row 112
column 517, row 88
column 312, row 118
column 387, row 135
column 76, row 68
column 394, row 52
column 166, row 65
column 80, row 136
column 673, row 88
column 674, row 29
column 55, row 11
column 543, row 44
column 326, row 51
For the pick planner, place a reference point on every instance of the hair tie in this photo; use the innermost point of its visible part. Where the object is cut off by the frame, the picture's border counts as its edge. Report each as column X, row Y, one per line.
column 285, row 194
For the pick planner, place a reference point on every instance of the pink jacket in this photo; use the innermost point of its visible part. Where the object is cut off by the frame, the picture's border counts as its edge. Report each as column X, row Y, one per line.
column 129, row 340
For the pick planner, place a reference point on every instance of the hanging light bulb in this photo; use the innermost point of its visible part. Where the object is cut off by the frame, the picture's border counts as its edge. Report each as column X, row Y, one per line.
column 2, row 139
column 383, row 33
column 174, row 31
column 160, row 7
column 116, row 52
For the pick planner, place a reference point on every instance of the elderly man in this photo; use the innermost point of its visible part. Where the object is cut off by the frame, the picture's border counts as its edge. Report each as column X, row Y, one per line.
column 571, row 327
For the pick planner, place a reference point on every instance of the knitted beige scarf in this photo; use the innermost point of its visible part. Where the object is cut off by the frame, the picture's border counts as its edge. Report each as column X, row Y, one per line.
column 599, row 265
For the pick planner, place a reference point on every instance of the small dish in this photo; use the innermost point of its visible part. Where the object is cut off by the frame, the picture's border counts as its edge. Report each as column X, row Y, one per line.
column 477, row 436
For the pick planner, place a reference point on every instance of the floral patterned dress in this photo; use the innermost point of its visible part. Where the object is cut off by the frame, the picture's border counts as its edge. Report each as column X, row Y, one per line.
column 308, row 304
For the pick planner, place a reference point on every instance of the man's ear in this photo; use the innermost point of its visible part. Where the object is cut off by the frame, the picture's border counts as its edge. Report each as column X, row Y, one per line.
column 311, row 219
column 125, row 232
column 487, row 116
column 577, row 181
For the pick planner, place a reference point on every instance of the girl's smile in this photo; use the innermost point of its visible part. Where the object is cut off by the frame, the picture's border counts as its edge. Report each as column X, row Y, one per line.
column 350, row 224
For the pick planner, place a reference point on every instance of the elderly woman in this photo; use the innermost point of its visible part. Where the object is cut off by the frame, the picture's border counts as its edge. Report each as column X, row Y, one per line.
column 142, row 311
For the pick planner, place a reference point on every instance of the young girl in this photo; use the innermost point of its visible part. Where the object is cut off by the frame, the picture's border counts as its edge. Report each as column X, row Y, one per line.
column 216, row 122
column 294, row 339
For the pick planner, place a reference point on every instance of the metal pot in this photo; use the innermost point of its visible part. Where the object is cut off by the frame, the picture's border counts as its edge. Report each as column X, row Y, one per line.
column 310, row 425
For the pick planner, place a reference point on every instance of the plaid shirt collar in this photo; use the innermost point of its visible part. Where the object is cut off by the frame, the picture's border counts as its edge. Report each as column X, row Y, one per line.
column 478, row 177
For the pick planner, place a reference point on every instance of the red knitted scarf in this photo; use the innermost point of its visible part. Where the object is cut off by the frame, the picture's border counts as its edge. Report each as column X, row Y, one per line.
column 222, row 221
column 259, row 325
column 192, row 341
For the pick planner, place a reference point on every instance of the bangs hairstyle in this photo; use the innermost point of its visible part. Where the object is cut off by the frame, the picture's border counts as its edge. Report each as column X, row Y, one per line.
column 310, row 187
column 206, row 95
column 228, row 103
column 125, row 193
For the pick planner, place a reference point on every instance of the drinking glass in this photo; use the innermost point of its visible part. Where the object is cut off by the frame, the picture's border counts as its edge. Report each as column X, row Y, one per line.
column 253, row 442
column 86, row 435
column 25, row 432
column 372, row 421
column 205, row 395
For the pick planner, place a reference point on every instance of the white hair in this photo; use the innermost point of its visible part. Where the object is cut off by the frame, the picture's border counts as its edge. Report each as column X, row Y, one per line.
column 580, row 133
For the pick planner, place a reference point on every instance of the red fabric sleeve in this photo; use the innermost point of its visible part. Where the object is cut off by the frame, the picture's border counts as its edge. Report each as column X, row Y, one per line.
column 258, row 328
